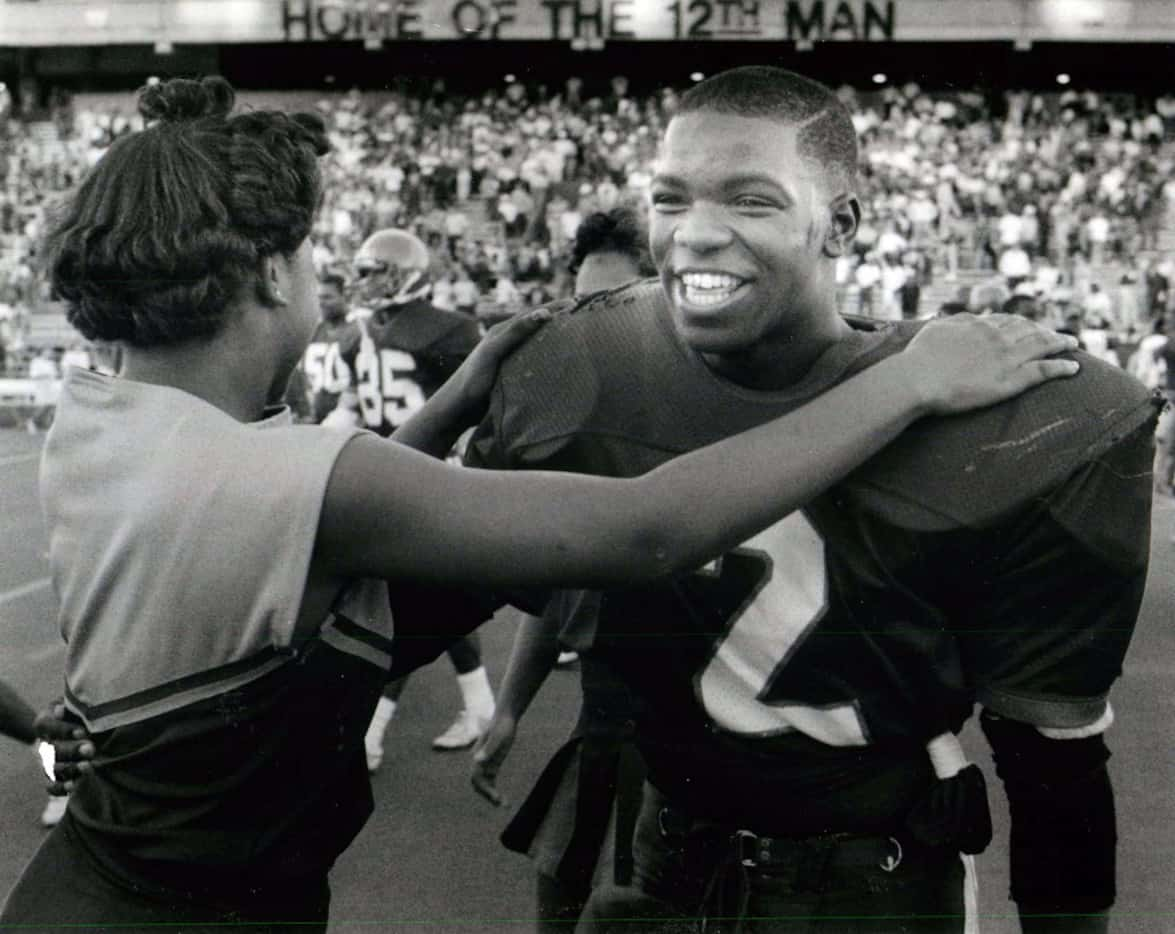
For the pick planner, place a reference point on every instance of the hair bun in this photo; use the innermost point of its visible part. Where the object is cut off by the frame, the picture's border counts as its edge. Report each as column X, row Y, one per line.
column 182, row 99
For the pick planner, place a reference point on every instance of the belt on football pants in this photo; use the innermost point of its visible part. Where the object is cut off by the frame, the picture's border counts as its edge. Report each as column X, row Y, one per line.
column 806, row 857
column 802, row 862
column 737, row 855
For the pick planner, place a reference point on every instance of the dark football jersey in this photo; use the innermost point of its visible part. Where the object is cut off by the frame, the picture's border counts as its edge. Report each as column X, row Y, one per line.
column 403, row 359
column 791, row 686
column 325, row 366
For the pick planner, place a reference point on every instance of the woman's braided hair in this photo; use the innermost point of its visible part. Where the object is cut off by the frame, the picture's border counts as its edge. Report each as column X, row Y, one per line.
column 173, row 221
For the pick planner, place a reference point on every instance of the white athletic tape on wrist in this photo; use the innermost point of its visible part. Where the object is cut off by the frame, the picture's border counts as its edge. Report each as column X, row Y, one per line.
column 946, row 755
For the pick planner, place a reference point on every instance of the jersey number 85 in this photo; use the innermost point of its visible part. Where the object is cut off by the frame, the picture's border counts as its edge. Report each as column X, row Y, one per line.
column 386, row 390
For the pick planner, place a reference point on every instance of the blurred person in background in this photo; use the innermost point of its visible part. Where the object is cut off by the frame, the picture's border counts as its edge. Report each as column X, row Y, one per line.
column 324, row 374
column 576, row 823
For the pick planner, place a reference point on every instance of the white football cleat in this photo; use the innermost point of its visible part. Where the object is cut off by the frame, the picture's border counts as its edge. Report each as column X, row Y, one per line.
column 462, row 733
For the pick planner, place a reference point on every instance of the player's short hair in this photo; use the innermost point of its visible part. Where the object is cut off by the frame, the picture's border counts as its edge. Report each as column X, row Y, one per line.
column 173, row 221
column 616, row 231
column 826, row 133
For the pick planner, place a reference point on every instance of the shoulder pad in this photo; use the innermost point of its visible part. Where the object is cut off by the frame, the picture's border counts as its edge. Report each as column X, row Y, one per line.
column 971, row 469
column 570, row 368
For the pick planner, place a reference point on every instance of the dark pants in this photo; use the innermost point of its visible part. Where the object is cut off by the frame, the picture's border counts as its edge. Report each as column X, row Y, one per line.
column 64, row 888
column 827, row 885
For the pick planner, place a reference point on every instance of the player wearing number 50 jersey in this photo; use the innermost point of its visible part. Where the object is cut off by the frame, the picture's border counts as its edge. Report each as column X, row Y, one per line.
column 790, row 693
column 326, row 374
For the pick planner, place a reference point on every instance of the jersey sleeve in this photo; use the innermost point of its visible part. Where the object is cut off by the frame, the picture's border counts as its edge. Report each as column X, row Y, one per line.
column 488, row 446
column 1045, row 617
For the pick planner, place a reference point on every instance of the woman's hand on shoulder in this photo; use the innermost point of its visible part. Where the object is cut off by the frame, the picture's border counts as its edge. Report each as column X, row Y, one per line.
column 967, row 362
column 476, row 376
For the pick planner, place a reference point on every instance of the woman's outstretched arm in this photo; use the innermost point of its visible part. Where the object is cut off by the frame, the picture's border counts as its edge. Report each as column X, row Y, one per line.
column 392, row 512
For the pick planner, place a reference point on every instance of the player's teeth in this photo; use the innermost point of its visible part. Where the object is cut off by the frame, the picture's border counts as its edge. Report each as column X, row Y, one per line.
column 709, row 280
column 706, row 296
column 708, row 288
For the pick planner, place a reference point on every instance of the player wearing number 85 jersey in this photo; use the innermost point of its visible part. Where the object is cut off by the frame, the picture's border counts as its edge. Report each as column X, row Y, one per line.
column 790, row 693
column 406, row 348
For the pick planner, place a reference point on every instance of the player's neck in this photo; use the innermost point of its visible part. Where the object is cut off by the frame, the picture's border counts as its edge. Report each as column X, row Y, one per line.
column 781, row 360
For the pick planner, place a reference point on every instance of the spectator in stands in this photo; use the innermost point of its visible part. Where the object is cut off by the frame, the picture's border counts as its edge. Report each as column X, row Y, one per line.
column 1128, row 314
column 46, row 375
column 893, row 276
column 1098, row 307
column 910, row 292
column 1097, row 340
column 1015, row 265
column 7, row 330
column 868, row 279
column 945, row 158
column 1097, row 236
column 1010, row 227
column 465, row 291
column 442, row 292
column 1030, row 231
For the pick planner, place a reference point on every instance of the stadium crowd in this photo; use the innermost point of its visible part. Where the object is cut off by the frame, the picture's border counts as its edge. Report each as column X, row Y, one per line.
column 1056, row 200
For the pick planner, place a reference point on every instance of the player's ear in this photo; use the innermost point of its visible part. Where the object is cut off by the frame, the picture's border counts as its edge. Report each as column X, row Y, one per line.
column 269, row 281
column 845, row 211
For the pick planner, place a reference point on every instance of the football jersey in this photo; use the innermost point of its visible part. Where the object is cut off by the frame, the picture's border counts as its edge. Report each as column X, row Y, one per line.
column 325, row 367
column 400, row 363
column 997, row 556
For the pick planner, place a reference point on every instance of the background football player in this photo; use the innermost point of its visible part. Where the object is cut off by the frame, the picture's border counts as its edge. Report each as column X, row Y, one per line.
column 568, row 832
column 323, row 386
column 405, row 349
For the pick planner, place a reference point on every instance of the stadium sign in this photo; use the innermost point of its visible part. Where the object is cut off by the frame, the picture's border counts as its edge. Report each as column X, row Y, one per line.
column 801, row 20
column 165, row 23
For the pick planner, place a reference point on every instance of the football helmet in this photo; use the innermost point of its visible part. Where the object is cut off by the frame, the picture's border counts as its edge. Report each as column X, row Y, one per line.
column 391, row 268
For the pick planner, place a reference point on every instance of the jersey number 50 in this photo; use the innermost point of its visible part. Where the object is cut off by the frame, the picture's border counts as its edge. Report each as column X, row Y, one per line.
column 326, row 370
column 784, row 577
column 386, row 390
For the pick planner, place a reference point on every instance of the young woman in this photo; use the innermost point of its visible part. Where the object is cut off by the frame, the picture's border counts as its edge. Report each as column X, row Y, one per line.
column 224, row 576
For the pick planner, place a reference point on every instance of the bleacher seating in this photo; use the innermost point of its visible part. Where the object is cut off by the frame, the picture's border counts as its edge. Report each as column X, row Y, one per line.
column 393, row 156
